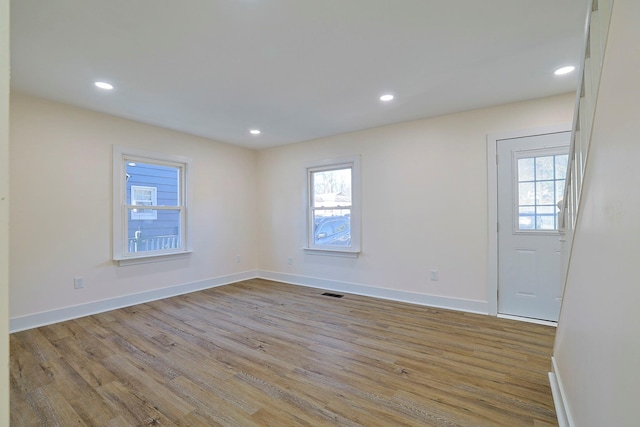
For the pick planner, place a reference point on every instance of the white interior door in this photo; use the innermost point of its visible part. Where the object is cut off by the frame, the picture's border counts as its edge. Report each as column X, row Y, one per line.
column 531, row 178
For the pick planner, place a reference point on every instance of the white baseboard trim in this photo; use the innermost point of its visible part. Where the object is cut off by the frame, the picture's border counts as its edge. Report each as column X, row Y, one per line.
column 559, row 399
column 471, row 306
column 528, row 320
column 35, row 320
column 30, row 321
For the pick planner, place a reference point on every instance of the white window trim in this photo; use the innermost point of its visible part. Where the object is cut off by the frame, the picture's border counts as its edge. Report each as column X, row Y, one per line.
column 121, row 156
column 328, row 164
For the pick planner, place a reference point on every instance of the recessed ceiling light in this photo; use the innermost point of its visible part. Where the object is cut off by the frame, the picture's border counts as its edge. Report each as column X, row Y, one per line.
column 254, row 132
column 564, row 70
column 386, row 98
column 104, row 85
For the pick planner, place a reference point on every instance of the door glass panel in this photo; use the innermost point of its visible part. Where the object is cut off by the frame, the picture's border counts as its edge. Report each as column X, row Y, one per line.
column 544, row 167
column 527, row 218
column 561, row 166
column 545, row 193
column 525, row 169
column 540, row 187
column 527, row 193
column 545, row 222
column 559, row 190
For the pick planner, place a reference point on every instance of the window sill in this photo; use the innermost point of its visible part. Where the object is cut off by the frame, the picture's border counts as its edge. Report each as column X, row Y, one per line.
column 146, row 259
column 537, row 232
column 332, row 252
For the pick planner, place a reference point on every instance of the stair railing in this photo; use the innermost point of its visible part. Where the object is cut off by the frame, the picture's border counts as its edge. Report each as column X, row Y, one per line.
column 596, row 32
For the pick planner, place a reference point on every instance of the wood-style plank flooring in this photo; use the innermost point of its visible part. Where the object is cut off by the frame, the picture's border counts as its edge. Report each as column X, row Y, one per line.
column 261, row 353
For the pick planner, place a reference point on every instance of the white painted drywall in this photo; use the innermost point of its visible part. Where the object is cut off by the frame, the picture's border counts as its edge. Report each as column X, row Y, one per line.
column 424, row 186
column 597, row 349
column 61, row 207
column 4, row 212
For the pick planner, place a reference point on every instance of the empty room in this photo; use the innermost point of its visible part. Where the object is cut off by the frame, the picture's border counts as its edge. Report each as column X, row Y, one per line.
column 310, row 213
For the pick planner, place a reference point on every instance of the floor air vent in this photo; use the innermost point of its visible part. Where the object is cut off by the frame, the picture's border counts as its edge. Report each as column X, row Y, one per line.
column 329, row 294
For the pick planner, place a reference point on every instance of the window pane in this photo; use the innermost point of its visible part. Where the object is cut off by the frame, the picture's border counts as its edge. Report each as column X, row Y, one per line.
column 331, row 188
column 142, row 196
column 544, row 167
column 526, row 193
column 525, row 169
column 164, row 179
column 546, row 210
column 537, row 207
column 526, row 219
column 546, row 217
column 153, row 235
column 332, row 227
column 561, row 166
column 545, row 193
column 559, row 190
column 545, row 222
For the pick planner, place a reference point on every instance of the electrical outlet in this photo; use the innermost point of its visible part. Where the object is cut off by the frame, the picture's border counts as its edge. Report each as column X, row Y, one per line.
column 434, row 275
column 238, row 258
column 78, row 282
column 290, row 260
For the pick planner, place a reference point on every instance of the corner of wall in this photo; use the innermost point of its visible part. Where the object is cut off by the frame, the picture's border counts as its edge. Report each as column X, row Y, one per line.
column 4, row 212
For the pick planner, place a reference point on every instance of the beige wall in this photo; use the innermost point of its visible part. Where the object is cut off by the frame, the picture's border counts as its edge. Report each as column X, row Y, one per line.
column 424, row 203
column 424, row 200
column 61, row 207
column 597, row 350
column 4, row 212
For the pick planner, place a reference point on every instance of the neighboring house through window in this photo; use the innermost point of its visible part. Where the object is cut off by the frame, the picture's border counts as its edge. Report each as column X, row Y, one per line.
column 159, row 183
column 143, row 196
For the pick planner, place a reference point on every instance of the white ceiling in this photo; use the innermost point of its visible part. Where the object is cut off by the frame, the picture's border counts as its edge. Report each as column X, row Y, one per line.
column 296, row 69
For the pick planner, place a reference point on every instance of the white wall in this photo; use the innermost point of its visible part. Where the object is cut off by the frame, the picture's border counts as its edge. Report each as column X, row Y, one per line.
column 424, row 187
column 61, row 207
column 4, row 212
column 597, row 349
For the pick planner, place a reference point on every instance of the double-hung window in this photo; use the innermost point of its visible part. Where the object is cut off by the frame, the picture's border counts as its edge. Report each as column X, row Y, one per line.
column 333, row 207
column 150, row 211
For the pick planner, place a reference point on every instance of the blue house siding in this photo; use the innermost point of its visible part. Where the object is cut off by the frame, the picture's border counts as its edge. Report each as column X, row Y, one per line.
column 167, row 223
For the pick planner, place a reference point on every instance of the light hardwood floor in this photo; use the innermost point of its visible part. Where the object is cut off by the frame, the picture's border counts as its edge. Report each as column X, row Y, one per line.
column 261, row 353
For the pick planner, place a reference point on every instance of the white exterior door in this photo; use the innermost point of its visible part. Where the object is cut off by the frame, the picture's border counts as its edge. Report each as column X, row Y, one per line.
column 531, row 178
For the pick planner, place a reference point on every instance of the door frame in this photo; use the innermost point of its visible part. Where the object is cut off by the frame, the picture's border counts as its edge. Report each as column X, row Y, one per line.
column 492, row 202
